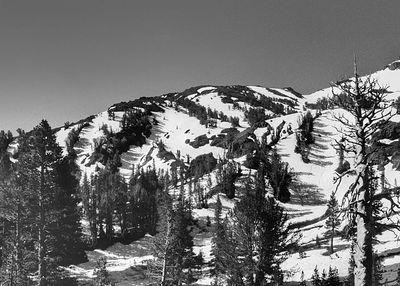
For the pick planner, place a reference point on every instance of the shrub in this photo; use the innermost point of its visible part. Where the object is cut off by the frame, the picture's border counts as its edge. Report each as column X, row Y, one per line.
column 202, row 164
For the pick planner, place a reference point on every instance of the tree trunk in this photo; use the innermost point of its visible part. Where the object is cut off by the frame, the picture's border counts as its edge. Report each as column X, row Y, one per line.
column 259, row 278
column 93, row 218
column 42, row 272
column 164, row 268
column 363, row 254
column 18, row 256
column 363, row 248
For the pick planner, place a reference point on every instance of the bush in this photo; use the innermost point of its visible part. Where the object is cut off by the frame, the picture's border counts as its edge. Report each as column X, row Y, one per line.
column 202, row 165
column 199, row 141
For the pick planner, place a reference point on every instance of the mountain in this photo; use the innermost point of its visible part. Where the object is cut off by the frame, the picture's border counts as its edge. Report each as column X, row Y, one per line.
column 225, row 123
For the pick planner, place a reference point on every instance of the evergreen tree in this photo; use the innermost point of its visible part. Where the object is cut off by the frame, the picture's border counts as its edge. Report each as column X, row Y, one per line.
column 121, row 189
column 333, row 221
column 218, row 241
column 106, row 205
column 333, row 277
column 89, row 199
column 323, row 277
column 350, row 277
column 17, row 257
column 46, row 204
column 258, row 240
column 5, row 163
column 370, row 111
column 302, row 281
column 315, row 278
column 176, row 262
column 39, row 157
column 159, row 269
column 68, row 245
column 102, row 277
column 181, row 245
column 279, row 176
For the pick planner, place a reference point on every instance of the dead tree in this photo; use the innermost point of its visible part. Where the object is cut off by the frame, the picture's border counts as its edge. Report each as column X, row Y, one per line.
column 365, row 100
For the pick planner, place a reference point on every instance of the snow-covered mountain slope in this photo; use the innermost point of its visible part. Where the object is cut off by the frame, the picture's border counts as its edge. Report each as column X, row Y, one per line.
column 217, row 120
column 387, row 78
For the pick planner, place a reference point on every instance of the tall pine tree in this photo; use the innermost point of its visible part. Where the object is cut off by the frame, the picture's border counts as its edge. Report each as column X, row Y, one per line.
column 333, row 221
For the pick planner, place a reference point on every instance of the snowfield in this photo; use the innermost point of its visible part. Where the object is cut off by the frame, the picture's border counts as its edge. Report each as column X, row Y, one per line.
column 314, row 183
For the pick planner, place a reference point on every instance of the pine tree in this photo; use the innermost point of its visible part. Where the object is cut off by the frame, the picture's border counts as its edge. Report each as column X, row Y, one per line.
column 302, row 281
column 279, row 176
column 259, row 230
column 87, row 193
column 182, row 245
column 323, row 277
column 333, row 277
column 121, row 208
column 315, row 278
column 173, row 246
column 102, row 277
column 48, row 185
column 333, row 221
column 317, row 242
column 350, row 276
column 370, row 110
column 5, row 163
column 218, row 241
column 159, row 269
column 38, row 159
column 68, row 245
column 16, row 256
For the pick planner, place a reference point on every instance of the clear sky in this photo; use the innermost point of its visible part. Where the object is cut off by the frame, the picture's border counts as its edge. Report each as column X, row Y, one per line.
column 65, row 60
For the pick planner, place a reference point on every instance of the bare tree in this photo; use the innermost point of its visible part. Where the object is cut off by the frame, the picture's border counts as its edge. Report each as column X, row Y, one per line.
column 365, row 100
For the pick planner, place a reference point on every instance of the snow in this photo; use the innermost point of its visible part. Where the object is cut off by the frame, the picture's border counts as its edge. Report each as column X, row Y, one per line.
column 319, row 258
column 266, row 92
column 214, row 101
column 122, row 261
column 61, row 136
column 206, row 88
column 316, row 178
column 173, row 131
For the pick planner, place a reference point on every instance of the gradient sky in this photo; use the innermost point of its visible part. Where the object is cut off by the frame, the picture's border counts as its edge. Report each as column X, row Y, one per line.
column 65, row 60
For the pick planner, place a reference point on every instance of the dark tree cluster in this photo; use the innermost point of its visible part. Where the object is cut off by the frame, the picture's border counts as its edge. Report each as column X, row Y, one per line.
column 73, row 137
column 271, row 169
column 322, row 104
column 175, row 262
column 304, row 136
column 5, row 163
column 257, row 117
column 109, row 201
column 39, row 213
column 245, row 94
column 330, row 279
column 204, row 114
column 135, row 128
column 201, row 165
column 250, row 244
column 151, row 104
column 227, row 174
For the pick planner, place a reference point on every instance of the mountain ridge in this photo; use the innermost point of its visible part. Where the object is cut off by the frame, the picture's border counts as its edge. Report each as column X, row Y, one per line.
column 225, row 124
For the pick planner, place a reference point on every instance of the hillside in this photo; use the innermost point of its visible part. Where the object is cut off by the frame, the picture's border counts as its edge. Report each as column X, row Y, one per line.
column 223, row 123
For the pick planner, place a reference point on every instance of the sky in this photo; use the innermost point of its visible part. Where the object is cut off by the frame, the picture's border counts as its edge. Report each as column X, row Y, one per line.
column 66, row 60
